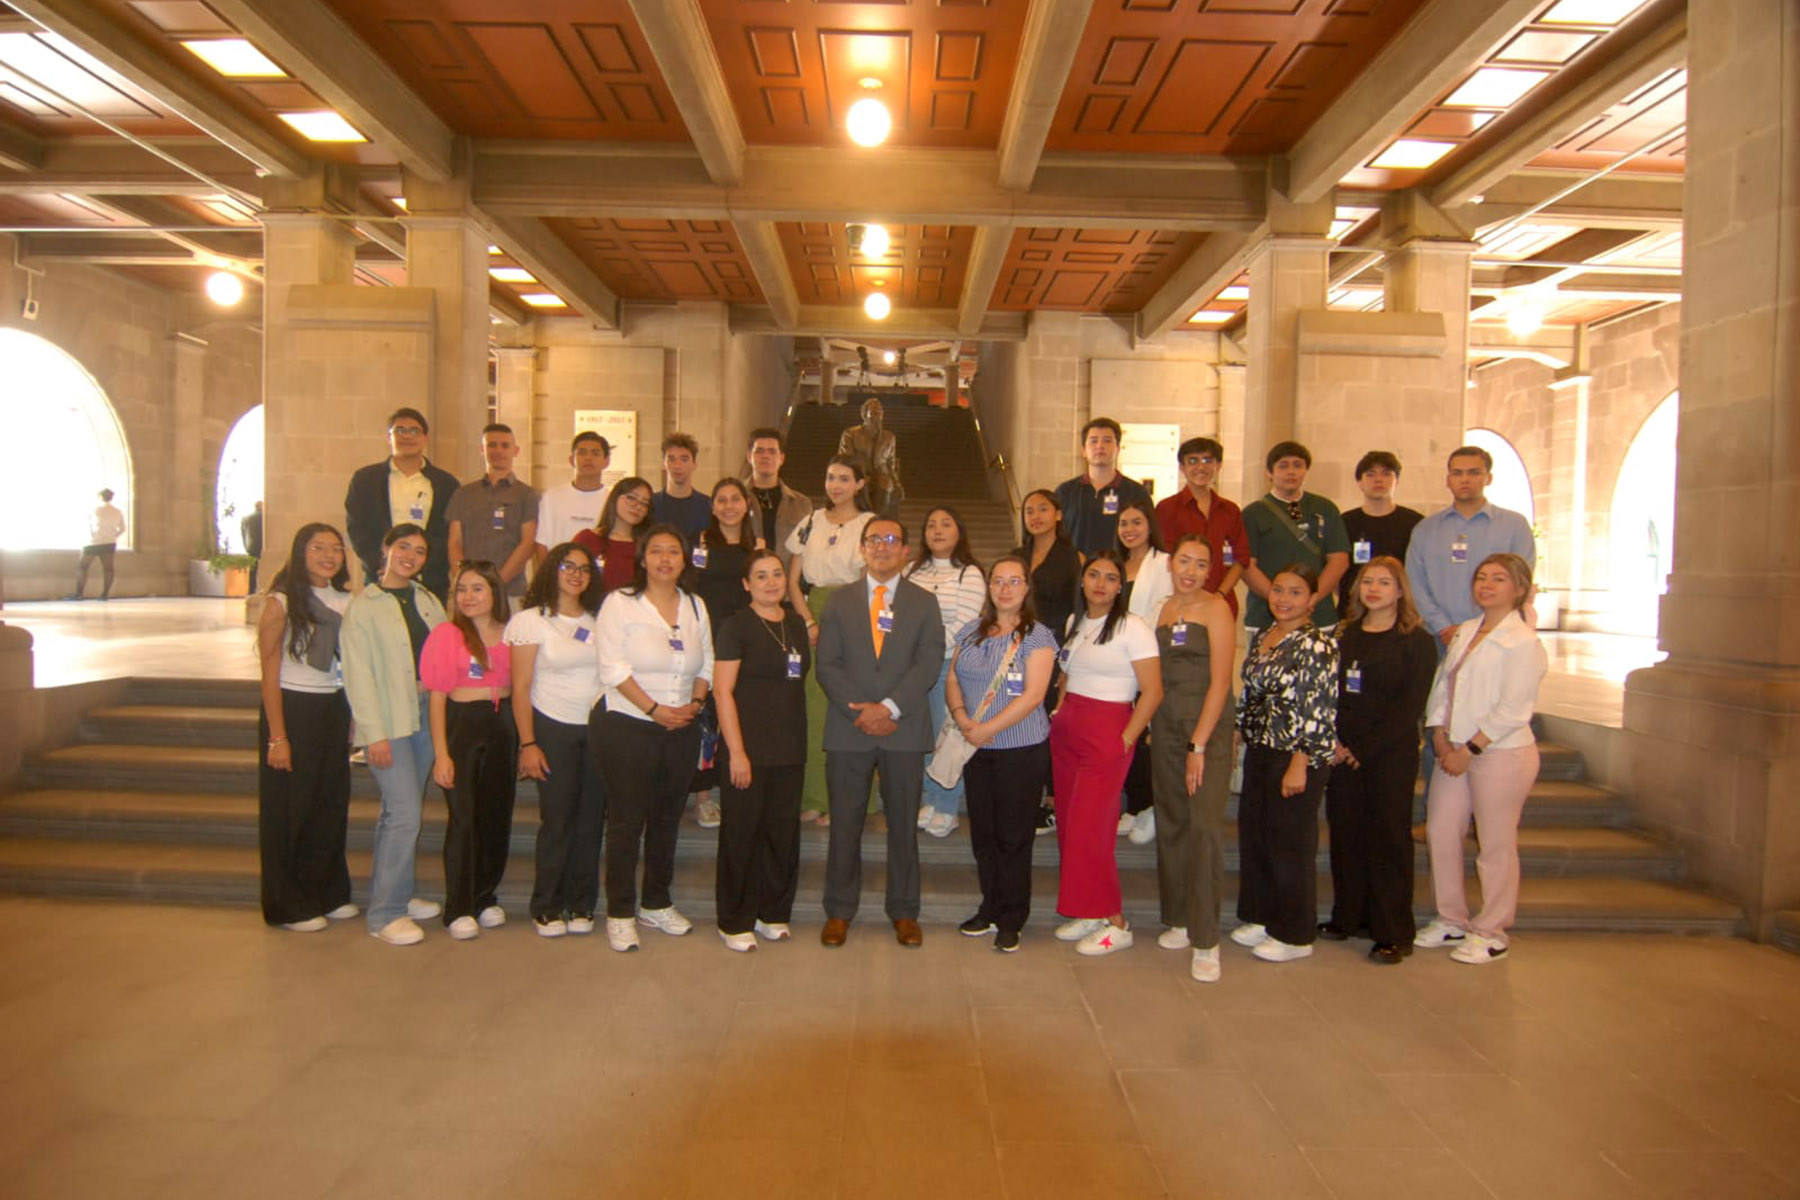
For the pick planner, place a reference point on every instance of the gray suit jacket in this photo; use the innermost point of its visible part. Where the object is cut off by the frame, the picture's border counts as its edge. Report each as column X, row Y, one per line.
column 911, row 657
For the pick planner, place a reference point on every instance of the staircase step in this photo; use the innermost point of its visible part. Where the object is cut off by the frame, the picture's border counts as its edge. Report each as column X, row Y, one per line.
column 226, row 693
column 1787, row 930
column 172, row 724
column 1557, row 761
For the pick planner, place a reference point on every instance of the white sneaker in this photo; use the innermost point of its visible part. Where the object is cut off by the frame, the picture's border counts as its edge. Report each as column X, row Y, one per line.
column 555, row 927
column 1250, row 935
column 423, row 910
column 926, row 812
column 1144, row 832
column 773, row 933
column 707, row 812
column 464, row 928
column 1127, row 823
column 740, row 942
column 1437, row 933
column 1108, row 939
column 491, row 917
column 669, row 920
column 580, row 925
column 310, row 925
column 1272, row 949
column 1174, row 938
column 941, row 825
column 401, row 931
column 1205, row 967
column 1080, row 927
column 344, row 912
column 621, row 934
column 1476, row 950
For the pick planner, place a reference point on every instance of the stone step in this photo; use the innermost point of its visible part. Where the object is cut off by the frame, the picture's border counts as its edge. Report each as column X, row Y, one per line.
column 172, row 725
column 229, row 875
column 231, row 819
column 1787, row 930
column 226, row 693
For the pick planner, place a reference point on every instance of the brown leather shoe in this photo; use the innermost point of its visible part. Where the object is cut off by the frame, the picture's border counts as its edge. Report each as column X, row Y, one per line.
column 907, row 933
column 834, row 933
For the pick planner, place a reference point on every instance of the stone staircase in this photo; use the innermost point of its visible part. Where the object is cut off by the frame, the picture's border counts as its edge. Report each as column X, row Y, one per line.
column 156, row 801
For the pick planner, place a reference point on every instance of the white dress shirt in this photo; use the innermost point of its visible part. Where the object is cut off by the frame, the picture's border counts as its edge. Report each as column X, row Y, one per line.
column 636, row 643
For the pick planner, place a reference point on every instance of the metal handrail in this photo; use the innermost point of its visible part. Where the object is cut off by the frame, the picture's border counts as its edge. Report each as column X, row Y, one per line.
column 992, row 460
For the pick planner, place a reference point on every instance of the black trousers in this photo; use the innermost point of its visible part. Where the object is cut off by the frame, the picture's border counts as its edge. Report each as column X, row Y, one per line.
column 759, row 845
column 1278, row 843
column 571, row 805
column 484, row 746
column 1369, row 809
column 303, row 814
column 1002, row 789
column 1140, row 795
column 647, row 770
column 103, row 551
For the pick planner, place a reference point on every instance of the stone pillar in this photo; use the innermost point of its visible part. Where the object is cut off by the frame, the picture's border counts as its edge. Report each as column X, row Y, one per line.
column 195, row 499
column 1565, row 549
column 1714, row 731
column 1239, row 473
column 1424, row 419
column 1288, row 275
column 447, row 255
column 515, row 384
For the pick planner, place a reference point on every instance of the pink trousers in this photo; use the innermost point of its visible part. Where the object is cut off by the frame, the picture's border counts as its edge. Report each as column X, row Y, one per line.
column 1493, row 789
column 1088, row 763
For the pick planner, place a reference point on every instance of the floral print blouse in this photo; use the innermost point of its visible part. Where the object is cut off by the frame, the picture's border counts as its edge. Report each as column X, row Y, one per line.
column 1289, row 698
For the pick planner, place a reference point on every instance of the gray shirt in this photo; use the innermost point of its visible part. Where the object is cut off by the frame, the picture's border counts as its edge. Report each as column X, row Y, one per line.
column 493, row 517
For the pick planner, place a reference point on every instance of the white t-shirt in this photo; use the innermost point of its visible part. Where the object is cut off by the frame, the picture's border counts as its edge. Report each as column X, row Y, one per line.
column 296, row 674
column 833, row 553
column 565, row 511
column 636, row 643
column 565, row 676
column 1105, row 672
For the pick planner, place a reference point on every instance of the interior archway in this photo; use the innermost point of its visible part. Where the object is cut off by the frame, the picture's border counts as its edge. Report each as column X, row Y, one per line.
column 1641, row 543
column 240, row 479
column 67, row 443
column 1512, row 482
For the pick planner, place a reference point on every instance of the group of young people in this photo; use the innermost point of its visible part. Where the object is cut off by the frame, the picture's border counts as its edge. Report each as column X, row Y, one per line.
column 807, row 664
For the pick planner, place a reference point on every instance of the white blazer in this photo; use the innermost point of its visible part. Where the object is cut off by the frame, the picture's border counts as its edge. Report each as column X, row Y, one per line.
column 1153, row 585
column 1496, row 688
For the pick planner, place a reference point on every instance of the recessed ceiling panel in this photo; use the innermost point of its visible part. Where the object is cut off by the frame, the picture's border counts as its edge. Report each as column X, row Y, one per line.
column 1088, row 270
column 664, row 260
column 922, row 267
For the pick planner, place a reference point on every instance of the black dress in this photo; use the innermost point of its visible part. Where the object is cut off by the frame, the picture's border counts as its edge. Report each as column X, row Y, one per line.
column 1055, row 584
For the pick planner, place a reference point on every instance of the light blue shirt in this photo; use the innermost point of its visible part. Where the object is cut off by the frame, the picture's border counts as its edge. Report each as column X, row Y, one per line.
column 1440, row 583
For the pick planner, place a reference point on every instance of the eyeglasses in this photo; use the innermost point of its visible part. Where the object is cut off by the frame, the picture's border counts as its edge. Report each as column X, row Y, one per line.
column 1200, row 460
column 566, row 567
column 881, row 539
column 406, row 431
column 1000, row 583
column 635, row 498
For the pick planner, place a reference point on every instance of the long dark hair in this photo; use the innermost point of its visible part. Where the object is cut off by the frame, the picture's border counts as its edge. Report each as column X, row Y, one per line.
column 609, row 512
column 861, row 498
column 1139, row 504
column 472, row 636
column 640, row 577
column 989, row 623
column 960, row 554
column 1119, row 611
column 1025, row 536
column 541, row 595
column 713, row 537
column 295, row 585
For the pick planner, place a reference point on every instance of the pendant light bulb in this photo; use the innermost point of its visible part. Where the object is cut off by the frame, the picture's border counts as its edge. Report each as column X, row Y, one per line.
column 874, row 241
column 868, row 122
column 224, row 289
column 877, row 306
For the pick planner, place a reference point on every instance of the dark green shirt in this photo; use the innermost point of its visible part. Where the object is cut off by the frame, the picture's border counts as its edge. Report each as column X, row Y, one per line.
column 1275, row 542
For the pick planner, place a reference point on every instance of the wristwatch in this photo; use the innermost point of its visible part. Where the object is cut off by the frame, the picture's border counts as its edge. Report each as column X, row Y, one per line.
column 1472, row 748
column 1196, row 748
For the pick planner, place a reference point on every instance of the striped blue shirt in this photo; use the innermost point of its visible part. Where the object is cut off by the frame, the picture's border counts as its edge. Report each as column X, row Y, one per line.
column 976, row 663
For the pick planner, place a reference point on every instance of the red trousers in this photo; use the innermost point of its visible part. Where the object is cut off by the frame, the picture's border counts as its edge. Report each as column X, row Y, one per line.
column 1088, row 762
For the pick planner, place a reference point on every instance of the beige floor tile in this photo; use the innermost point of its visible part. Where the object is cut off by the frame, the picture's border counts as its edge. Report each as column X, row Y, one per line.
column 1221, row 1169
column 1751, row 1116
column 1013, row 1038
column 1529, row 1049
column 1667, row 1175
column 1363, row 1173
column 1036, row 977
column 1623, row 1114
column 1179, row 1109
column 1409, row 1043
column 893, row 1168
column 913, row 1033
column 779, row 1097
column 1051, row 1103
column 1046, row 1171
column 1262, row 1044
column 136, row 1158
column 790, row 1160
column 1343, row 1110
column 928, row 1105
column 1474, row 1110
column 1545, row 1170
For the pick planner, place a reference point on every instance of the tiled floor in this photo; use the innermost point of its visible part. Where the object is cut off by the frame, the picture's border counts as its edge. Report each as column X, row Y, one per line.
column 164, row 1052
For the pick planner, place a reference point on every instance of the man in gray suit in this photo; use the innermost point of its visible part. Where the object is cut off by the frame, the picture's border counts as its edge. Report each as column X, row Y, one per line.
column 881, row 646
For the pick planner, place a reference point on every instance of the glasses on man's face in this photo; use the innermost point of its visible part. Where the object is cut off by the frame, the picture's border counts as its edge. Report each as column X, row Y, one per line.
column 566, row 567
column 406, row 431
column 1201, row 460
column 881, row 539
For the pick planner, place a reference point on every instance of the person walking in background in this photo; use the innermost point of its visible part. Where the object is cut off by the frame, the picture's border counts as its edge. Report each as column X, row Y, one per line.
column 1380, row 528
column 250, row 530
column 303, row 782
column 106, row 525
column 946, row 567
column 1386, row 660
column 404, row 489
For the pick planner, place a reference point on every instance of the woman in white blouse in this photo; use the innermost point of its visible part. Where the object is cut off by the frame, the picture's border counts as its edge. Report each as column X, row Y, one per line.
column 827, row 554
column 656, row 664
column 1479, row 722
column 947, row 569
column 1147, row 584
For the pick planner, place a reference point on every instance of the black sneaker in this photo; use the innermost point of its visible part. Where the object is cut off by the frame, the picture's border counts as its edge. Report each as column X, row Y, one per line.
column 1333, row 932
column 1007, row 941
column 976, row 926
column 1046, row 820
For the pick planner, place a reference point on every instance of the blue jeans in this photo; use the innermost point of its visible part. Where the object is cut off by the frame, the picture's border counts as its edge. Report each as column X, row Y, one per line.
column 397, row 831
column 948, row 801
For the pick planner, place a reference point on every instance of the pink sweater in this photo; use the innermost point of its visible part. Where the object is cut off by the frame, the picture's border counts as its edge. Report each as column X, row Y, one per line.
column 445, row 664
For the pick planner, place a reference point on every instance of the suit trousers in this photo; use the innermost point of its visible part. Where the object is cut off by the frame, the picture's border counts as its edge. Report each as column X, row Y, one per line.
column 1088, row 763
column 571, row 804
column 759, row 845
column 303, row 814
column 1003, row 788
column 1278, row 844
column 647, row 771
column 484, row 747
column 902, row 779
column 1369, row 809
column 1494, row 789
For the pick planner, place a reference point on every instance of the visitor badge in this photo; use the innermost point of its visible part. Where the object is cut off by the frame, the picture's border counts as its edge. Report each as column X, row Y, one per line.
column 1015, row 683
column 1362, row 552
column 793, row 664
column 1353, row 679
column 698, row 557
column 1109, row 504
column 417, row 512
column 581, row 634
column 1319, row 526
column 675, row 642
column 500, row 516
column 1178, row 634
column 884, row 620
column 1062, row 657
column 1230, row 559
column 476, row 670
column 1459, row 550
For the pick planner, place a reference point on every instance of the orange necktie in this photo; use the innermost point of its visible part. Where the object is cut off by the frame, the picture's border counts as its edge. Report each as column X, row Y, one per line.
column 876, row 606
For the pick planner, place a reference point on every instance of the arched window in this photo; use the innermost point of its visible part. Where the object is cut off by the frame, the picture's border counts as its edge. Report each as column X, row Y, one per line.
column 66, row 445
column 240, row 479
column 1642, row 541
column 1512, row 484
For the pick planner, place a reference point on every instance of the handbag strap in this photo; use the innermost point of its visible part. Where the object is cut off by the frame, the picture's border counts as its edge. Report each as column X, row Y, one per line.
column 1006, row 660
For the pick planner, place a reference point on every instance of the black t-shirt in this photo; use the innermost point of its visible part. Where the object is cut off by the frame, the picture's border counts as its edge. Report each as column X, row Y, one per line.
column 1389, row 535
column 1055, row 584
column 720, row 584
column 1395, row 671
column 771, row 707
column 768, row 502
column 416, row 628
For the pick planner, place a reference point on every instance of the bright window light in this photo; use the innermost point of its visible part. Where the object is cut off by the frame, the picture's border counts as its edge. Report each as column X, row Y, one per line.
column 544, row 300
column 512, row 275
column 323, row 125
column 1591, row 12
column 1495, row 87
column 1237, row 291
column 1411, row 154
column 1212, row 316
column 235, row 58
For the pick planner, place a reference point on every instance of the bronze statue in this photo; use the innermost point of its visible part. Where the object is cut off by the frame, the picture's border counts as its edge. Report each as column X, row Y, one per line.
column 878, row 452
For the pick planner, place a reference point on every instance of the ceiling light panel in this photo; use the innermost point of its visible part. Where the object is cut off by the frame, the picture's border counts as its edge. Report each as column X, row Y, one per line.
column 235, row 58
column 1590, row 12
column 1545, row 46
column 1212, row 316
column 56, row 65
column 543, row 300
column 1495, row 87
column 1411, row 154
column 322, row 125
column 512, row 275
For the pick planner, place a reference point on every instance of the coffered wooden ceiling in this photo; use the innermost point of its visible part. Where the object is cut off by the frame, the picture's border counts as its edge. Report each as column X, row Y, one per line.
column 1088, row 270
column 664, row 260
column 923, row 266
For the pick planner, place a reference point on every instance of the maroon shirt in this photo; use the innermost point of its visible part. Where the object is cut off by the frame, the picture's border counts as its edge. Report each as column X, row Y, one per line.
column 1223, row 529
column 617, row 559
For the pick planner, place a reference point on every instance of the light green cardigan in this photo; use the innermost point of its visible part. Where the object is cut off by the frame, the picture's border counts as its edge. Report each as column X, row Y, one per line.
column 381, row 680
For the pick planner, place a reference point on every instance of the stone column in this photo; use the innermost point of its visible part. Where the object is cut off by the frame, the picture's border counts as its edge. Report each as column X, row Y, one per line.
column 447, row 255
column 1424, row 419
column 1238, row 474
column 1714, row 731
column 193, row 513
column 515, row 384
column 1288, row 274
